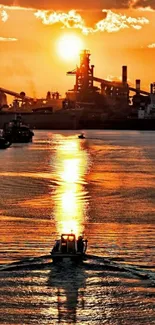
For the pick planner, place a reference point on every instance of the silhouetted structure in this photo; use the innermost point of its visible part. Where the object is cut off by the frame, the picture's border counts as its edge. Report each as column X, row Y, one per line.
column 111, row 97
column 17, row 132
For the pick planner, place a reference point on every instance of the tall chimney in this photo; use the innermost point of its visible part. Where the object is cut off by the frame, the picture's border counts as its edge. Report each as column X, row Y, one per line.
column 124, row 74
column 92, row 75
column 138, row 85
column 151, row 88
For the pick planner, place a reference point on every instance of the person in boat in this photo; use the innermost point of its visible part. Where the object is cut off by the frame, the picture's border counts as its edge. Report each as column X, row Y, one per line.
column 80, row 244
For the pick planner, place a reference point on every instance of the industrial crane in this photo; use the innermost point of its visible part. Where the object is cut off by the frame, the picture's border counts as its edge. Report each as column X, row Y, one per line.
column 15, row 94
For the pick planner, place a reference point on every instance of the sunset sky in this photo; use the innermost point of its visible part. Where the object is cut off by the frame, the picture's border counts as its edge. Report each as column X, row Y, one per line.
column 39, row 41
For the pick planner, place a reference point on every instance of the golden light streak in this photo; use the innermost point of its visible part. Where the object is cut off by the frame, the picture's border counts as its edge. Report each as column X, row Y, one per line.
column 112, row 23
column 70, row 171
column 71, row 165
column 70, row 226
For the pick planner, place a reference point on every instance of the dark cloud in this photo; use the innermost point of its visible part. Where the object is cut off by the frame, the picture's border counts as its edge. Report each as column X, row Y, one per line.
column 68, row 4
column 79, row 4
column 145, row 3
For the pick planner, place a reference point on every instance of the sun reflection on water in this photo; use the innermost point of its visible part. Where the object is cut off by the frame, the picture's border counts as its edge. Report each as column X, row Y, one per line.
column 70, row 203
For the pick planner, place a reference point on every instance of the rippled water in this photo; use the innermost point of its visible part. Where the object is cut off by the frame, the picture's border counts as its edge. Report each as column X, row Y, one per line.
column 103, row 186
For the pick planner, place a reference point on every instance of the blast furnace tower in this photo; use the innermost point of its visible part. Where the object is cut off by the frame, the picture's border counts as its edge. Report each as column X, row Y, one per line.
column 85, row 73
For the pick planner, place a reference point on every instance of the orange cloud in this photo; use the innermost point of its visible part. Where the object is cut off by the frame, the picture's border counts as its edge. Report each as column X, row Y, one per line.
column 151, row 46
column 113, row 22
column 4, row 15
column 15, row 8
column 146, row 4
column 146, row 9
column 67, row 5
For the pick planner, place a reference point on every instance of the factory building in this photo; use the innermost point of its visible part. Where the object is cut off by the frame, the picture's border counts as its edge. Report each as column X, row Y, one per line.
column 3, row 100
column 90, row 94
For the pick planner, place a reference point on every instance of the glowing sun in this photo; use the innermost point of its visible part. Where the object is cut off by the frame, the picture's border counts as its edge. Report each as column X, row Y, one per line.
column 69, row 46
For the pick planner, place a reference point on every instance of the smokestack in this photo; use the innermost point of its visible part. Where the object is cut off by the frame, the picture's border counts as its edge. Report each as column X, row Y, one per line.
column 151, row 88
column 138, row 85
column 92, row 75
column 124, row 74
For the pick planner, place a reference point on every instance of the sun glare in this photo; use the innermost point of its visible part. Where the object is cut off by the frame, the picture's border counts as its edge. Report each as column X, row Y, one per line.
column 69, row 46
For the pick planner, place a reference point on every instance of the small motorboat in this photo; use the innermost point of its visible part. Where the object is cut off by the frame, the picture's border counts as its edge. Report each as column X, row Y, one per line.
column 4, row 143
column 69, row 247
column 81, row 136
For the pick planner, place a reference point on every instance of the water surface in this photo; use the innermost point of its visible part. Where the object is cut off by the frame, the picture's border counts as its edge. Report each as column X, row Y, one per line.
column 103, row 186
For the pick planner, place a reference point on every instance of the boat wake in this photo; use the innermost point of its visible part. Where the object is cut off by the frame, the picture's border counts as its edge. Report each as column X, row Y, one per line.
column 91, row 262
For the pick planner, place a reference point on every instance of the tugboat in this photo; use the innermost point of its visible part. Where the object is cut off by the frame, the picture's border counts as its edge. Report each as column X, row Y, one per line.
column 69, row 247
column 81, row 136
column 17, row 132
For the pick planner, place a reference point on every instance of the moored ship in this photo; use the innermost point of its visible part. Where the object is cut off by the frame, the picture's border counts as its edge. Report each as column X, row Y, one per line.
column 4, row 143
column 17, row 132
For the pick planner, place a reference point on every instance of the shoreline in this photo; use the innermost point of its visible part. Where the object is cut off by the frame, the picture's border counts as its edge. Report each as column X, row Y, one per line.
column 70, row 121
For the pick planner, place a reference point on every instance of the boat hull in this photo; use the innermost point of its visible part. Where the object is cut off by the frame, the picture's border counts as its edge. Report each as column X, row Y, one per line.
column 74, row 120
column 17, row 132
column 4, row 144
column 76, row 258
